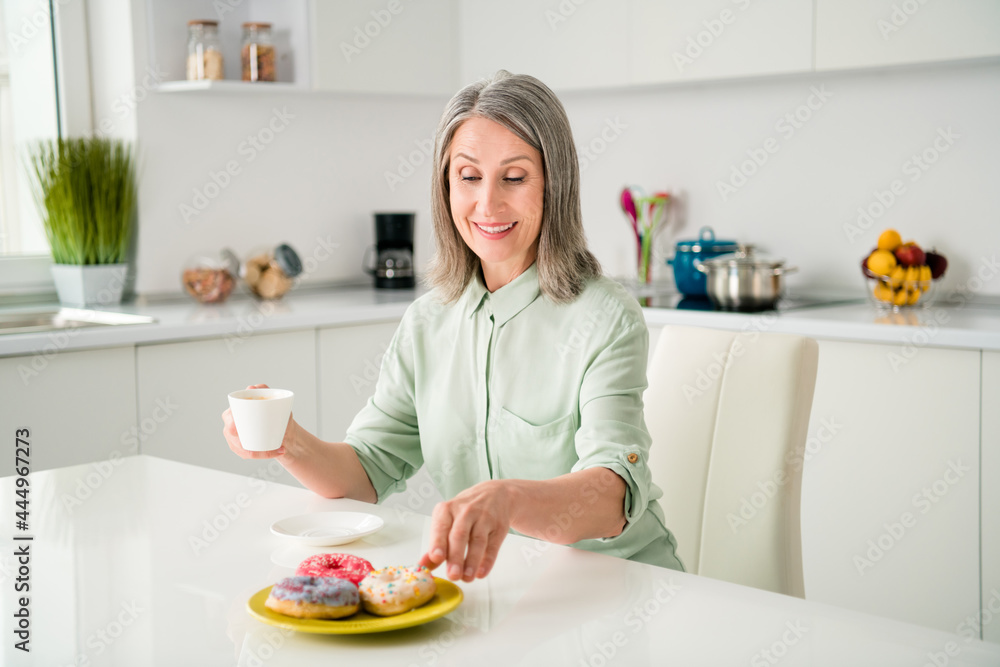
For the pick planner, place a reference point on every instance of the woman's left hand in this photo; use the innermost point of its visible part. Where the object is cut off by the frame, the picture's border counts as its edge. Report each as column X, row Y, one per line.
column 467, row 531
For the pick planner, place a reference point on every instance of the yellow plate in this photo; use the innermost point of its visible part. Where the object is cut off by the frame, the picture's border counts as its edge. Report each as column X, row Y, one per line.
column 447, row 598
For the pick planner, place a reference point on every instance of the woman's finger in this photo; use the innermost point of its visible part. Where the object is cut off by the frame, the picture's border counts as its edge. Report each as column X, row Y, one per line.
column 492, row 551
column 478, row 541
column 458, row 541
column 437, row 550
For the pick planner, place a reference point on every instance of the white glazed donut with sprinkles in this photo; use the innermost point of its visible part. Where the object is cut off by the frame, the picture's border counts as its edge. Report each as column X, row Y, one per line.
column 393, row 590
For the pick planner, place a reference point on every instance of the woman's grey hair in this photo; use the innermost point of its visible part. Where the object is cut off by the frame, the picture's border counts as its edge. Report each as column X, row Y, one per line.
column 525, row 106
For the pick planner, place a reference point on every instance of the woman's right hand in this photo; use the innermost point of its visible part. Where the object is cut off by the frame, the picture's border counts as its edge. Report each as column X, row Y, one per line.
column 233, row 438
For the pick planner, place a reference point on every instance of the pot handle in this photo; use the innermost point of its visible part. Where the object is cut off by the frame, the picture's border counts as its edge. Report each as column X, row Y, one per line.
column 781, row 270
column 699, row 266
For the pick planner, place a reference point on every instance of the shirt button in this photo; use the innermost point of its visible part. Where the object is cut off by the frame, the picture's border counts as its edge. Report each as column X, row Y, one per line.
column 633, row 457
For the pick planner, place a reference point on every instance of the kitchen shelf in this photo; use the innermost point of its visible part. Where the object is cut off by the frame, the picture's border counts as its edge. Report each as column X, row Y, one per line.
column 230, row 87
column 167, row 38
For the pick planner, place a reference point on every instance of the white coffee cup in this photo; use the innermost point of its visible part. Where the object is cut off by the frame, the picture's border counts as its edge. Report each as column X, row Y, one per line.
column 261, row 417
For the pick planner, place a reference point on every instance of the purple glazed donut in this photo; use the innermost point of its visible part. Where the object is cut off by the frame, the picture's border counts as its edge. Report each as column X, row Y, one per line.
column 314, row 597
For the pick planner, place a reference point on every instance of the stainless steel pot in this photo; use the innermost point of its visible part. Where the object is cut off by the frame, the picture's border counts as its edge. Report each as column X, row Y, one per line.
column 743, row 281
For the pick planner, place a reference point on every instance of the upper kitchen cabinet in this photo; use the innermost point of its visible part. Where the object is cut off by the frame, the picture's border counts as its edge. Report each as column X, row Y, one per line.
column 678, row 40
column 385, row 46
column 568, row 45
column 867, row 33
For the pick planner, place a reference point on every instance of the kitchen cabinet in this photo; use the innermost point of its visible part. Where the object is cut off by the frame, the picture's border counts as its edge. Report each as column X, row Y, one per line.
column 676, row 40
column 568, row 45
column 385, row 46
column 182, row 390
column 349, row 362
column 434, row 47
column 80, row 406
column 867, row 33
column 991, row 496
column 890, row 492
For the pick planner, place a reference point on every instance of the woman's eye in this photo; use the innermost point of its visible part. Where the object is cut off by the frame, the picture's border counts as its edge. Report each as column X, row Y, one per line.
column 469, row 179
column 517, row 179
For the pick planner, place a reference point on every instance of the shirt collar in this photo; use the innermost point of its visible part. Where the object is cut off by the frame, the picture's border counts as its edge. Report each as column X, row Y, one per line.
column 507, row 301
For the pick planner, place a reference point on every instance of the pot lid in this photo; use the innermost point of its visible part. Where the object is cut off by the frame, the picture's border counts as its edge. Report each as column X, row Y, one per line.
column 706, row 241
column 744, row 256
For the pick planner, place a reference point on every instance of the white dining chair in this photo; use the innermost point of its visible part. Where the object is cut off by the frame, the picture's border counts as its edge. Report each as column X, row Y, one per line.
column 728, row 414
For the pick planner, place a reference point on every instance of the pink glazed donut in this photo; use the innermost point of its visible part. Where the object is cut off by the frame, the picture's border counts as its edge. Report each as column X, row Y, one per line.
column 341, row 566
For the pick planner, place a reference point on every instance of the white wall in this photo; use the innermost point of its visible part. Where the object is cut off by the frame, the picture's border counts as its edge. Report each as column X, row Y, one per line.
column 324, row 174
column 796, row 206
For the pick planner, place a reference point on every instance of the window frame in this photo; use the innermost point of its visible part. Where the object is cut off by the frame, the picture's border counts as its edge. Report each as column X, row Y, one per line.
column 30, row 275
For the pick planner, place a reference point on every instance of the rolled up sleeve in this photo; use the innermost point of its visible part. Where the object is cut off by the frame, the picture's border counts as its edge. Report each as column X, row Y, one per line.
column 385, row 433
column 612, row 431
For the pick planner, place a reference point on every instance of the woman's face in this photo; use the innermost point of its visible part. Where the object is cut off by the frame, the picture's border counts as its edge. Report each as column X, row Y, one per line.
column 497, row 193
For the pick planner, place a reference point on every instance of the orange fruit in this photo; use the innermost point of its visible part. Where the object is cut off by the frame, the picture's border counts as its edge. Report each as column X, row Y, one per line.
column 889, row 240
column 881, row 262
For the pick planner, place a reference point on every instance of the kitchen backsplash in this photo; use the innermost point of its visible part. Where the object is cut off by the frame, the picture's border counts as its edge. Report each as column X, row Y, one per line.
column 811, row 168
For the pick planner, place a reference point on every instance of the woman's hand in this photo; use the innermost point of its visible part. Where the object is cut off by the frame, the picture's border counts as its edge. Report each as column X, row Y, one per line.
column 467, row 531
column 233, row 438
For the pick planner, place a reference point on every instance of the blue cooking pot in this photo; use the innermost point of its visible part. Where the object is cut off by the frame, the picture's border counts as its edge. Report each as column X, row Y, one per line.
column 690, row 281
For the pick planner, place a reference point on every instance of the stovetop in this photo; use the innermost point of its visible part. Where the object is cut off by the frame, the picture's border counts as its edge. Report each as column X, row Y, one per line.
column 674, row 301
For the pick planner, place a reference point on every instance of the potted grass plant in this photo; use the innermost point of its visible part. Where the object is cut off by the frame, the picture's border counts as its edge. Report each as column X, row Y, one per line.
column 85, row 190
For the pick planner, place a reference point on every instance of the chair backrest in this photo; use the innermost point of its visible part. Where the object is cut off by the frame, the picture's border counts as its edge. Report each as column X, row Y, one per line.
column 728, row 413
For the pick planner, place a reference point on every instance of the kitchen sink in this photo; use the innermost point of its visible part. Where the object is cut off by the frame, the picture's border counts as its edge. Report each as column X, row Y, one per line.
column 54, row 319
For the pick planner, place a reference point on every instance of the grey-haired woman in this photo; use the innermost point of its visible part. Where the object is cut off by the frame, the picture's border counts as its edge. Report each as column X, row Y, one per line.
column 517, row 381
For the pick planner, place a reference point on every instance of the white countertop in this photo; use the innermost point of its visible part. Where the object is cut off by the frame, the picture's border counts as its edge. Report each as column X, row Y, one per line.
column 151, row 562
column 968, row 327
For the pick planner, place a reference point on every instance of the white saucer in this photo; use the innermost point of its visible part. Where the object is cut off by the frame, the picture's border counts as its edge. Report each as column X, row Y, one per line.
column 327, row 529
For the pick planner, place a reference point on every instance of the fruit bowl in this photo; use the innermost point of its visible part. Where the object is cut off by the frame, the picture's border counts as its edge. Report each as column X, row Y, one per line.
column 900, row 275
column 887, row 294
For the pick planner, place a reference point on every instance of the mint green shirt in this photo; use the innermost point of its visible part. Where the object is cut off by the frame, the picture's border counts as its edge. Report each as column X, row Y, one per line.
column 510, row 385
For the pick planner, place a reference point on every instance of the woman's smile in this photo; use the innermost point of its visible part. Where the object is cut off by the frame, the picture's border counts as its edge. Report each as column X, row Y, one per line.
column 494, row 231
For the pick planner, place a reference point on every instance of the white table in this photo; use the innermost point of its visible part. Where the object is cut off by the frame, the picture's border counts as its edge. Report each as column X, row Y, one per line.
column 151, row 562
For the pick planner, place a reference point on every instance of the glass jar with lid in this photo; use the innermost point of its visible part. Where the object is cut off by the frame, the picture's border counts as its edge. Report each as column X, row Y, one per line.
column 271, row 273
column 204, row 60
column 258, row 53
column 210, row 277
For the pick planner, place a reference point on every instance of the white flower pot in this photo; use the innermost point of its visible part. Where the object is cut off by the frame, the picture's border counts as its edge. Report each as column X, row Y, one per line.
column 92, row 285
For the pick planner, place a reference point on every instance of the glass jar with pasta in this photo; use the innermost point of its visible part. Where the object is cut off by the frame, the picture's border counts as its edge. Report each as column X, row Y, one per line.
column 204, row 59
column 258, row 52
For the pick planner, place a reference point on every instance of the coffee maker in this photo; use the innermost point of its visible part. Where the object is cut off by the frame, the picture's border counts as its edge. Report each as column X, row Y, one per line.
column 393, row 251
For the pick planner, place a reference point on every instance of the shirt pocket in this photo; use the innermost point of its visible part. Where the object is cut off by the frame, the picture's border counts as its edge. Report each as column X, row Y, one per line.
column 529, row 451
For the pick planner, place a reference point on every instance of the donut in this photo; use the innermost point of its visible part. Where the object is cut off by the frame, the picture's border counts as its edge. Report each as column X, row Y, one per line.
column 393, row 590
column 313, row 597
column 341, row 566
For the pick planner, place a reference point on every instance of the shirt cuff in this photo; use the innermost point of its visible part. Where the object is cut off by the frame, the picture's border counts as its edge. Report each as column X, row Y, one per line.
column 384, row 484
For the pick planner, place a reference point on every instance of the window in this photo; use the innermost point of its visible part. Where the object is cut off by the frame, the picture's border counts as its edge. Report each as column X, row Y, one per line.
column 27, row 113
